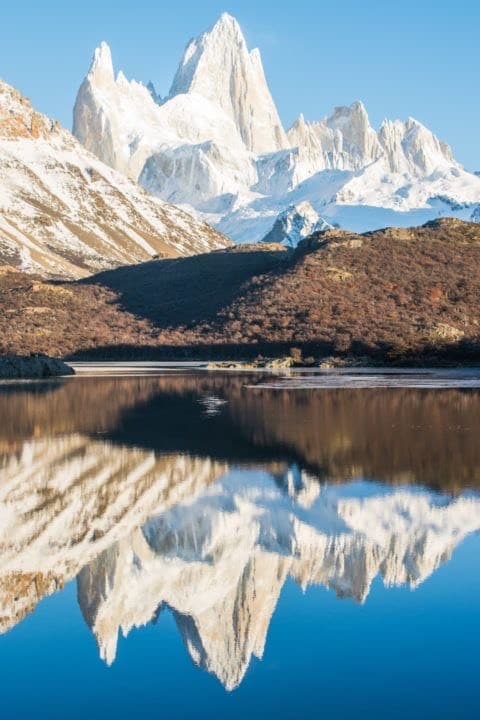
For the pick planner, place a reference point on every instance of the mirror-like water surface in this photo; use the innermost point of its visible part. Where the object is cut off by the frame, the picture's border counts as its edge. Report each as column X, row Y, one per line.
column 193, row 544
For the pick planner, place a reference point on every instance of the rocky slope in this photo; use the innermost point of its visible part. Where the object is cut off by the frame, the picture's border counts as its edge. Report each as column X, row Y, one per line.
column 216, row 146
column 64, row 213
column 394, row 295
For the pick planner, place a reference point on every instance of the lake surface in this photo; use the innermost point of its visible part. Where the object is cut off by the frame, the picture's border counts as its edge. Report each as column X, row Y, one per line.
column 187, row 544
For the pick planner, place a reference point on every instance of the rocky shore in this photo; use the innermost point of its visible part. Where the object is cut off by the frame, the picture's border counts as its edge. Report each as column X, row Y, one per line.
column 13, row 367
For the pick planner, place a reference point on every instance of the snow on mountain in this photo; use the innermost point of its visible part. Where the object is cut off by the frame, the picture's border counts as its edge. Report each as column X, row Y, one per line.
column 296, row 223
column 64, row 212
column 219, row 67
column 191, row 145
column 344, row 141
column 216, row 146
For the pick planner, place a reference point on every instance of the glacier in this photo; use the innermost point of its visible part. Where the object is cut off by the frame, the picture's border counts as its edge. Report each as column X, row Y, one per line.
column 215, row 146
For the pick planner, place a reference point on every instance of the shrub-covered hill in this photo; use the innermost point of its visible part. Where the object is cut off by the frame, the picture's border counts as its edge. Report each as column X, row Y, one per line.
column 393, row 294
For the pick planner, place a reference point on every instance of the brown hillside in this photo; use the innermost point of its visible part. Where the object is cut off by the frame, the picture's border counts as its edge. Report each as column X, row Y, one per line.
column 396, row 294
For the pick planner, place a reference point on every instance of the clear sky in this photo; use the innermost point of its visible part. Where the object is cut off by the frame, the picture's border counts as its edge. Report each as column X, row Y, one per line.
column 414, row 57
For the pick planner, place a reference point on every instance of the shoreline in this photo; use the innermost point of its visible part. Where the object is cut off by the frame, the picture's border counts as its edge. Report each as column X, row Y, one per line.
column 81, row 367
column 274, row 362
column 291, row 379
column 44, row 367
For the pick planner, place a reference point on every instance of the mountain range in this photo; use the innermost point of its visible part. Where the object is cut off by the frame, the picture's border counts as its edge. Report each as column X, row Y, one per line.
column 215, row 145
column 212, row 153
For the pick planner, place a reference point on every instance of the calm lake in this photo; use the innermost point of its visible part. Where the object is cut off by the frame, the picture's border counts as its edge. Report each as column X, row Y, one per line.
column 187, row 544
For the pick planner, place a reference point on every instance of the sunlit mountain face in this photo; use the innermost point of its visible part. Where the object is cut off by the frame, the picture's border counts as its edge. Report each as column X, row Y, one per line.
column 216, row 146
column 203, row 495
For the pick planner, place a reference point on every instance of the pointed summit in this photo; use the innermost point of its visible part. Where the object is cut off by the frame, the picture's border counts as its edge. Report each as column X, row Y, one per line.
column 359, row 139
column 219, row 66
column 413, row 148
column 227, row 23
column 101, row 68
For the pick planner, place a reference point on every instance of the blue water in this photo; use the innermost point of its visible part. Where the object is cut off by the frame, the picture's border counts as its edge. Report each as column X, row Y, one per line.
column 403, row 651
column 401, row 654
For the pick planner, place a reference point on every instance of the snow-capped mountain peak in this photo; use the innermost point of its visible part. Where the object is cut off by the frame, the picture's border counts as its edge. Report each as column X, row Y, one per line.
column 219, row 67
column 359, row 139
column 412, row 148
column 225, row 38
column 296, row 223
column 101, row 68
column 217, row 147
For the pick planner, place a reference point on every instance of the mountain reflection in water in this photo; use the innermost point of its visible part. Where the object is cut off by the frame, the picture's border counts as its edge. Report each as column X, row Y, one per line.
column 196, row 493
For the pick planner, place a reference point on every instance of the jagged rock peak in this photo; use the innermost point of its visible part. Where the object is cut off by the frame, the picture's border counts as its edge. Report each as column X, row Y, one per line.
column 216, row 144
column 411, row 147
column 358, row 137
column 225, row 34
column 300, row 122
column 101, row 68
column 218, row 66
column 228, row 25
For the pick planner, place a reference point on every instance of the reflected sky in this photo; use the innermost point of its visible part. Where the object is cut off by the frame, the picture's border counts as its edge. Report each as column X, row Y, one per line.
column 190, row 545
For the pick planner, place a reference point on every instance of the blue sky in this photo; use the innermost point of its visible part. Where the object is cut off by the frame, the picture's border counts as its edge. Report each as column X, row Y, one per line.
column 406, row 58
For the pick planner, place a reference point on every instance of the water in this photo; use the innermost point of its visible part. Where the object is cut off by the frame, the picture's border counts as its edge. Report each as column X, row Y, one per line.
column 190, row 544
